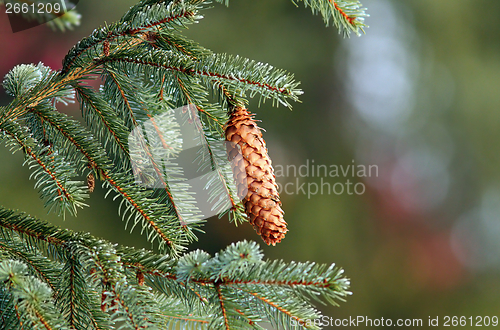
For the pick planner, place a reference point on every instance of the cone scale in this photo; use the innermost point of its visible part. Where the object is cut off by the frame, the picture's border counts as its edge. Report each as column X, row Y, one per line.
column 262, row 203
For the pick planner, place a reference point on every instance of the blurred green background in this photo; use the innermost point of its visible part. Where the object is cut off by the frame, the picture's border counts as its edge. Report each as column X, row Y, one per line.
column 417, row 96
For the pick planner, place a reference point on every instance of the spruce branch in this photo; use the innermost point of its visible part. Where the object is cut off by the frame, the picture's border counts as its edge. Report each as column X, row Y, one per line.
column 131, row 99
column 81, row 311
column 101, row 118
column 238, row 273
column 125, row 97
column 212, row 156
column 47, row 90
column 73, row 140
column 55, row 278
column 146, row 211
column 98, row 258
column 55, row 177
column 237, row 75
column 347, row 15
column 134, row 28
column 30, row 297
column 95, row 155
column 178, row 43
column 46, row 270
column 219, row 288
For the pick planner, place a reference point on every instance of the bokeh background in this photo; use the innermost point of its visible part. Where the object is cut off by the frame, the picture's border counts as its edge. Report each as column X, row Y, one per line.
column 418, row 96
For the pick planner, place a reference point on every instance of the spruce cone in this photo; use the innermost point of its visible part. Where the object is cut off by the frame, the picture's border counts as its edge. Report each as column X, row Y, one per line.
column 262, row 204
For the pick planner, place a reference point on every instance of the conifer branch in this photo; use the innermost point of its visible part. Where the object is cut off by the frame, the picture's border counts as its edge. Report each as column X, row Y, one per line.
column 80, row 311
column 216, row 69
column 36, row 263
column 96, row 110
column 73, row 139
column 236, row 209
column 126, row 97
column 222, row 307
column 179, row 44
column 30, row 297
column 276, row 306
column 150, row 159
column 61, row 191
column 129, row 33
column 238, row 268
column 53, row 176
column 96, row 156
column 192, row 98
column 57, row 279
column 129, row 114
column 48, row 89
column 347, row 15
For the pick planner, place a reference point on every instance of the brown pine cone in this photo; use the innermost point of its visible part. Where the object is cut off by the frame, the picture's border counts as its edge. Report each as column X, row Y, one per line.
column 262, row 203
